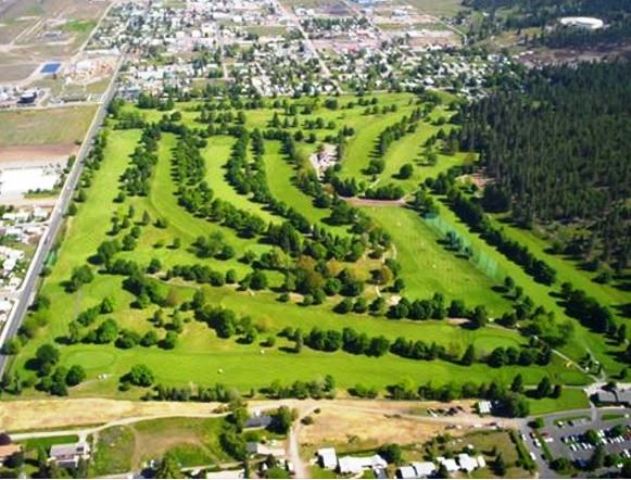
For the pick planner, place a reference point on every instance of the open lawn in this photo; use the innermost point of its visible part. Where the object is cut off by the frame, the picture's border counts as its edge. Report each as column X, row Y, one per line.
column 582, row 340
column 418, row 250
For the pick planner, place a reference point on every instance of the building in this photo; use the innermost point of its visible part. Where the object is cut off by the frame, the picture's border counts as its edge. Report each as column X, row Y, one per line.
column 68, row 454
column 615, row 396
column 7, row 451
column 586, row 23
column 449, row 464
column 327, row 458
column 355, row 465
column 417, row 470
column 484, row 407
column 467, row 463
column 258, row 421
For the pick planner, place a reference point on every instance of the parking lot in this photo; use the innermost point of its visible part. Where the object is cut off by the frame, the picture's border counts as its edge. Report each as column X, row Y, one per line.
column 576, row 437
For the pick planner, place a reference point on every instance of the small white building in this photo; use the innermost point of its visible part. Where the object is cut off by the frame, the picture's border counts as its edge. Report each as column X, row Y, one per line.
column 327, row 458
column 467, row 463
column 484, row 407
column 355, row 465
column 449, row 464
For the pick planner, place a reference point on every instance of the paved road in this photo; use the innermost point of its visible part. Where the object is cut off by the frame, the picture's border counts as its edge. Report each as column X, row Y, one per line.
column 29, row 285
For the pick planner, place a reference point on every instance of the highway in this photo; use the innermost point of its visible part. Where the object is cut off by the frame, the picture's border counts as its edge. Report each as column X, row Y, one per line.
column 29, row 284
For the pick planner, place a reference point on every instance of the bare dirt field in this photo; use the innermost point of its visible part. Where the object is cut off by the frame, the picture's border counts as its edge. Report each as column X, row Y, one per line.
column 386, row 418
column 34, row 154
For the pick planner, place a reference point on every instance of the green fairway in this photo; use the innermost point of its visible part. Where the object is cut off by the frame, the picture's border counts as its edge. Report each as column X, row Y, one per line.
column 583, row 341
column 200, row 356
column 418, row 250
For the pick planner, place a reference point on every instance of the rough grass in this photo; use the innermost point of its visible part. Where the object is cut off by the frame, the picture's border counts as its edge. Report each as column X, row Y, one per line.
column 41, row 127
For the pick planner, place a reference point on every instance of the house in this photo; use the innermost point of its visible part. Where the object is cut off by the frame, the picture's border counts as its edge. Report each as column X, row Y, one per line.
column 467, row 463
column 484, row 407
column 256, row 448
column 417, row 470
column 327, row 458
column 355, row 465
column 7, row 451
column 258, row 421
column 69, row 454
column 424, row 469
column 449, row 464
column 406, row 472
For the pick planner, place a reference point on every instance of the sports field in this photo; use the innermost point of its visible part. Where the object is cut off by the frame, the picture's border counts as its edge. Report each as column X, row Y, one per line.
column 200, row 356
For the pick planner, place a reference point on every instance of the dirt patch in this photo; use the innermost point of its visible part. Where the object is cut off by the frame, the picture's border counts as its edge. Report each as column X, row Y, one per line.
column 351, row 429
column 19, row 154
column 48, row 414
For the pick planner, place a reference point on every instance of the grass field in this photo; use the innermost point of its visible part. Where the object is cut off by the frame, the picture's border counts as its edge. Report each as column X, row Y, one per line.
column 200, row 357
column 583, row 340
column 193, row 441
column 41, row 127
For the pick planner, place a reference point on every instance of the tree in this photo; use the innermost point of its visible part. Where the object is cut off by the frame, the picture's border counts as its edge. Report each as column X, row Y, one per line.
column 238, row 415
column 598, row 458
column 480, row 316
column 76, row 375
column 140, row 375
column 282, row 420
column 499, row 466
column 518, row 384
column 469, row 356
column 391, row 453
column 544, row 388
column 169, row 467
column 406, row 171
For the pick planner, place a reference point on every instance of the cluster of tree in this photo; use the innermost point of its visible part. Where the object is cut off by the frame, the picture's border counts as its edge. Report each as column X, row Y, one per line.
column 146, row 289
column 592, row 314
column 139, row 375
column 524, row 356
column 317, row 389
column 349, row 340
column 213, row 246
column 149, row 101
column 215, row 393
column 135, row 179
column 226, row 322
column 53, row 378
column 507, row 402
column 557, row 149
column 472, row 213
column 202, row 274
column 80, row 276
column 390, row 191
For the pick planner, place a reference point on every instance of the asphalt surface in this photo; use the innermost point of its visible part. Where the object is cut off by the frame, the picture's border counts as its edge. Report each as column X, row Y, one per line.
column 30, row 282
column 584, row 420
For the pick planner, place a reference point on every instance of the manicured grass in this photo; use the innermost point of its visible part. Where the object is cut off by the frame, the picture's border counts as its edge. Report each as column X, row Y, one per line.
column 279, row 177
column 418, row 250
column 41, row 127
column 582, row 341
column 199, row 356
column 217, row 154
column 570, row 399
column 568, row 270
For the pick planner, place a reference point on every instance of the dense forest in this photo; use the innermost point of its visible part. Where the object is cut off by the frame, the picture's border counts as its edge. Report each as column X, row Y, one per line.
column 558, row 151
column 521, row 14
